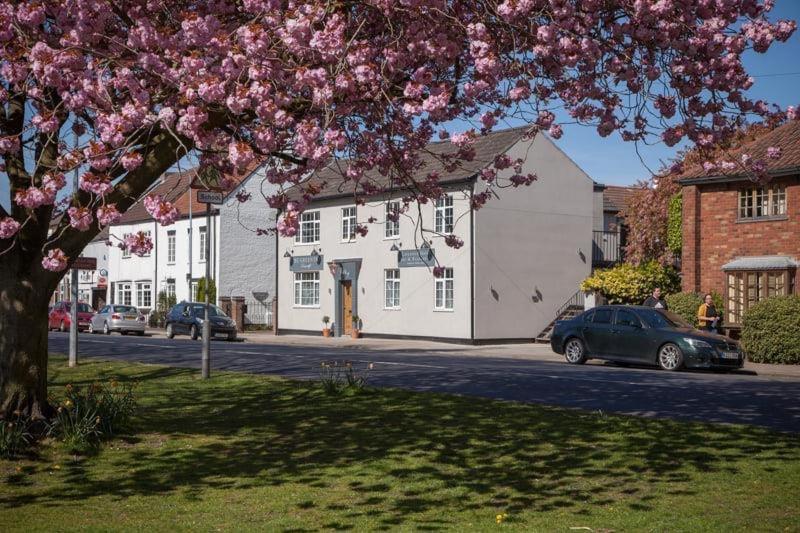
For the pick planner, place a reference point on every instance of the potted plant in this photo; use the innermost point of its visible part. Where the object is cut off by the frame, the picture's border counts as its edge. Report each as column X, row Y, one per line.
column 356, row 331
column 326, row 331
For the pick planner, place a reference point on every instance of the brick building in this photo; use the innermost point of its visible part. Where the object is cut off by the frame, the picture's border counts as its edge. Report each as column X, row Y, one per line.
column 742, row 238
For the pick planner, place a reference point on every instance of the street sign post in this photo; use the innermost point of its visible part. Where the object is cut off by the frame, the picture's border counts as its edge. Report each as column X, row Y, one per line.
column 207, row 197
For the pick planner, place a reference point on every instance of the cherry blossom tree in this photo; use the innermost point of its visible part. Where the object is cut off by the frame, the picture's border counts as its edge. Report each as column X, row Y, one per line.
column 121, row 90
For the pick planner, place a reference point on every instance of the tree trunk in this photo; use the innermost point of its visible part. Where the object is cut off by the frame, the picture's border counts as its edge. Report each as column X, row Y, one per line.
column 24, row 296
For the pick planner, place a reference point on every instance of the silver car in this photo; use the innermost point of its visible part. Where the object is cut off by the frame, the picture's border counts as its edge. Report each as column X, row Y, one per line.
column 123, row 318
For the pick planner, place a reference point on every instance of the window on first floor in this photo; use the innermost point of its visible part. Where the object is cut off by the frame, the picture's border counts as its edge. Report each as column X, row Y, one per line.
column 309, row 228
column 171, row 247
column 306, row 289
column 444, row 218
column 762, row 202
column 348, row 223
column 124, row 293
column 392, row 226
column 747, row 288
column 202, row 252
column 443, row 291
column 392, row 289
column 125, row 251
column 144, row 294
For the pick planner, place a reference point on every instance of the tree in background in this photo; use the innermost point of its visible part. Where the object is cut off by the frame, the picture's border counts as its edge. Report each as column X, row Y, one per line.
column 119, row 92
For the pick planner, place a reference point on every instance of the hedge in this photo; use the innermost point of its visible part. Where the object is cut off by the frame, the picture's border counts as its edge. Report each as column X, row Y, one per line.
column 675, row 224
column 771, row 331
column 629, row 284
column 686, row 305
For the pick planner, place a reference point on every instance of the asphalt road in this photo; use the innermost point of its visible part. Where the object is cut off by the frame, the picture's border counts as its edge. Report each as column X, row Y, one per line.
column 772, row 402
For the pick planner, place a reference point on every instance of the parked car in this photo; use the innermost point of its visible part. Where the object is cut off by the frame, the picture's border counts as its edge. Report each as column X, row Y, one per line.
column 643, row 335
column 60, row 316
column 186, row 318
column 123, row 318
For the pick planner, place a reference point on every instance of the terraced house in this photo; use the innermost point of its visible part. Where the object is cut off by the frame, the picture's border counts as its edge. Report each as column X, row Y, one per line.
column 742, row 238
column 523, row 257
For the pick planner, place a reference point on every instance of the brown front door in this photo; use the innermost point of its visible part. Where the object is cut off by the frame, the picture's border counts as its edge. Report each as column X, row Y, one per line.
column 347, row 307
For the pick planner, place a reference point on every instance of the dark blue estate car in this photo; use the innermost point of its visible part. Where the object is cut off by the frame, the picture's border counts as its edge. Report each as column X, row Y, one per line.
column 642, row 335
column 186, row 318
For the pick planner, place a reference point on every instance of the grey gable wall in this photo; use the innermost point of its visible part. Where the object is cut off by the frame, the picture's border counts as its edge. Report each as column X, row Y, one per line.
column 246, row 260
column 528, row 244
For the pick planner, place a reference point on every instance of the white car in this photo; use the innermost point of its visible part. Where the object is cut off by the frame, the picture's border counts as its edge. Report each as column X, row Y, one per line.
column 123, row 318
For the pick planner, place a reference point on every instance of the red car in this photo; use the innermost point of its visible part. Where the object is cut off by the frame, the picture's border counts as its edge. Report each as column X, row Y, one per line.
column 59, row 317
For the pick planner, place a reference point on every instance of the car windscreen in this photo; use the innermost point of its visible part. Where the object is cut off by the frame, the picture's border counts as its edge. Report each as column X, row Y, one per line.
column 124, row 309
column 663, row 319
column 85, row 308
column 213, row 310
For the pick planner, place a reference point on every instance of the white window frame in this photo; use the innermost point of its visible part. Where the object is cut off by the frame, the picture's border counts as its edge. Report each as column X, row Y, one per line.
column 126, row 253
column 349, row 221
column 194, row 291
column 763, row 203
column 392, row 228
column 149, row 236
column 171, row 246
column 202, row 234
column 441, row 287
column 444, row 216
column 306, row 281
column 144, row 294
column 124, row 288
column 170, row 288
column 391, row 288
column 308, row 219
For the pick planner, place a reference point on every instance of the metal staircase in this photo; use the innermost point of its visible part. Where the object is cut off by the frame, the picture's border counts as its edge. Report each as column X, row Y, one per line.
column 571, row 308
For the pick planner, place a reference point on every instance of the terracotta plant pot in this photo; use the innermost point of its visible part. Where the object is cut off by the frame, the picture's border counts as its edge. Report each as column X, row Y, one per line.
column 356, row 333
column 326, row 332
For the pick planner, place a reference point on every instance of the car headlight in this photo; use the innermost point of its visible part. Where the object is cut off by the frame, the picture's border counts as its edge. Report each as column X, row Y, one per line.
column 233, row 322
column 200, row 321
column 697, row 343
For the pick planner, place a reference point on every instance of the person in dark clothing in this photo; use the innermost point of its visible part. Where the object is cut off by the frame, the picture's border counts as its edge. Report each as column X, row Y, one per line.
column 654, row 300
column 707, row 315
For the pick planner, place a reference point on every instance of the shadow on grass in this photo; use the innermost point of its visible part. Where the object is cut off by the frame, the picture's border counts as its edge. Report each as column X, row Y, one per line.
column 402, row 453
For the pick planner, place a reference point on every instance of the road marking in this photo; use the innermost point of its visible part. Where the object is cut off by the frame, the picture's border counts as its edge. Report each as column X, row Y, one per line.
column 99, row 342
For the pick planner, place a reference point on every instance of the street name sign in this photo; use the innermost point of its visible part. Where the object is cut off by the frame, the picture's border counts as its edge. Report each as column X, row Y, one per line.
column 209, row 197
column 85, row 263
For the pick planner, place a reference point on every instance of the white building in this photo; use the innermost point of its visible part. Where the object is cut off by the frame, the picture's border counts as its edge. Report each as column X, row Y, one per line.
column 524, row 254
column 92, row 284
column 177, row 260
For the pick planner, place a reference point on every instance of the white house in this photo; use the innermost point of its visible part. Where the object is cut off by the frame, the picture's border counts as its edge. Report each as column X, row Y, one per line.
column 177, row 260
column 92, row 284
column 246, row 255
column 524, row 254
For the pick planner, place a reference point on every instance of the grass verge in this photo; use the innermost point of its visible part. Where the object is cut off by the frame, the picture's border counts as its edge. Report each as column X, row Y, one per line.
column 244, row 452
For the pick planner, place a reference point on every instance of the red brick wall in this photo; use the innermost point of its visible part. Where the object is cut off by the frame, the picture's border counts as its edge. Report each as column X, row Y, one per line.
column 712, row 236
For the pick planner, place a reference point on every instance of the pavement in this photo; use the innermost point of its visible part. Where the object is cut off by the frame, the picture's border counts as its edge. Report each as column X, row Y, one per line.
column 760, row 395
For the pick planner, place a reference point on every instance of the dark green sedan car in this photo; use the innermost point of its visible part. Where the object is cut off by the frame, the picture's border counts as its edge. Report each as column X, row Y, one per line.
column 642, row 335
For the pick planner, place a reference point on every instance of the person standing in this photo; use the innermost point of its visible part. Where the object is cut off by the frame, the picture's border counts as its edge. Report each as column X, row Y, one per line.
column 654, row 300
column 707, row 315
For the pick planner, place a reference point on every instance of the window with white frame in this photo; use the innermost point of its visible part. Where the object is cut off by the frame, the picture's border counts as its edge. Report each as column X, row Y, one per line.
column 124, row 293
column 762, row 202
column 306, row 289
column 392, row 289
column 203, row 237
column 348, row 223
column 392, row 227
column 171, row 247
column 170, row 288
column 309, row 228
column 443, row 221
column 126, row 253
column 443, row 298
column 144, row 294
column 194, row 291
column 147, row 234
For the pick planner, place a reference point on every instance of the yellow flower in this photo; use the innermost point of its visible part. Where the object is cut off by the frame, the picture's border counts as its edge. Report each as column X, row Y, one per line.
column 56, row 467
column 68, row 403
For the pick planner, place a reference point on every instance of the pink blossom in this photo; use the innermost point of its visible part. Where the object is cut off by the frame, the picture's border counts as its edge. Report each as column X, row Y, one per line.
column 80, row 218
column 55, row 261
column 163, row 211
column 488, row 120
column 240, row 154
column 8, row 227
column 774, row 152
column 131, row 160
column 555, row 131
column 95, row 183
column 453, row 241
column 33, row 197
column 108, row 214
column 438, row 271
column 9, row 144
column 242, row 196
column 137, row 243
column 792, row 113
column 288, row 224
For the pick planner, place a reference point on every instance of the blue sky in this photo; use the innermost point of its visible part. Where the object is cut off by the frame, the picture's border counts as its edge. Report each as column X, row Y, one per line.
column 615, row 162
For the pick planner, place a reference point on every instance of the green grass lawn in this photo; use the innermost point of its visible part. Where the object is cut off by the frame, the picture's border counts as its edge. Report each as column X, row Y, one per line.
column 243, row 452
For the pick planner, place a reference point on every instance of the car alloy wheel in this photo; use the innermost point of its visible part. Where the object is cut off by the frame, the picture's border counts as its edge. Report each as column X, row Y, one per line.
column 194, row 333
column 91, row 328
column 670, row 357
column 574, row 352
column 106, row 329
column 170, row 332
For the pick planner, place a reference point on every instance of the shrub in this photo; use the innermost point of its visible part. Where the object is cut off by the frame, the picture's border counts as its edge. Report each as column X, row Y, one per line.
column 158, row 317
column 88, row 415
column 629, row 284
column 338, row 378
column 686, row 304
column 771, row 330
column 15, row 436
column 675, row 224
column 201, row 290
